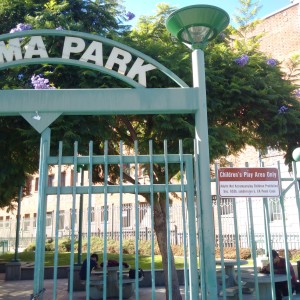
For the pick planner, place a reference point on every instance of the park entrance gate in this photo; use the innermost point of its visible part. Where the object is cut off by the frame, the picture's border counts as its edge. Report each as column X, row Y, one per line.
column 42, row 107
column 184, row 188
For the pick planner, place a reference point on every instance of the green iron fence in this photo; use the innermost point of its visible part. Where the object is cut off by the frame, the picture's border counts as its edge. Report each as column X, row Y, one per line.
column 184, row 188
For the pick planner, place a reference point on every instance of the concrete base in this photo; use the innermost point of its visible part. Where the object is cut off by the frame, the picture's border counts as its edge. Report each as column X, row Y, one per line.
column 13, row 271
column 77, row 283
column 2, row 266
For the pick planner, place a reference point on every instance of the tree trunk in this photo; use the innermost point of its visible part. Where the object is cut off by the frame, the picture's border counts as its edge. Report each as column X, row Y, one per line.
column 160, row 226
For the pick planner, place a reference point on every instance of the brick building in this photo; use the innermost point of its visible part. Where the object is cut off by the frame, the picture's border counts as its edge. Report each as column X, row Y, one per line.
column 281, row 34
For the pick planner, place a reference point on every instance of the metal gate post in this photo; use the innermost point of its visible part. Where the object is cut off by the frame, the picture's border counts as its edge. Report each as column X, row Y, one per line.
column 192, row 237
column 41, row 213
column 206, row 218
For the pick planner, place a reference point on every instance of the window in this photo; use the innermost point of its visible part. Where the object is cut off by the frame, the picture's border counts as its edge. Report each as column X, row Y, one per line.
column 36, row 184
column 61, row 224
column 126, row 213
column 102, row 214
column 92, row 214
column 7, row 221
column 75, row 216
column 1, row 222
column 275, row 209
column 34, row 220
column 63, row 179
column 26, row 222
column 51, row 180
column 143, row 208
column 28, row 186
column 49, row 219
column 72, row 178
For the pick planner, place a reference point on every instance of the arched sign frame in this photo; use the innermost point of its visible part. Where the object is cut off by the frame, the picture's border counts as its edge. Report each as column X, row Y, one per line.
column 48, row 104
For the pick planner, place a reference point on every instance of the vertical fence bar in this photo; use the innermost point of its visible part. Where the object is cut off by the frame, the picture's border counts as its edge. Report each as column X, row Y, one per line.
column 183, row 204
column 269, row 240
column 199, row 224
column 80, row 216
column 296, row 185
column 168, row 218
column 237, row 247
column 286, row 252
column 88, row 254
column 105, row 219
column 58, row 193
column 192, row 242
column 253, row 254
column 152, row 220
column 137, row 235
column 41, row 215
column 74, row 190
column 121, row 223
column 221, row 245
column 18, row 224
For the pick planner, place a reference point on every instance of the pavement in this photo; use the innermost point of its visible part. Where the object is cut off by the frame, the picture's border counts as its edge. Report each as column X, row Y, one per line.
column 22, row 290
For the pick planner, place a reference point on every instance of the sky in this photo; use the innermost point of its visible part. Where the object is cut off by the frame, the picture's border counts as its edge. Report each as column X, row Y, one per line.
column 148, row 7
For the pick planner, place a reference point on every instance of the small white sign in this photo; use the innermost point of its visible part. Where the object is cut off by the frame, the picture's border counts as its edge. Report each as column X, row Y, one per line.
column 248, row 182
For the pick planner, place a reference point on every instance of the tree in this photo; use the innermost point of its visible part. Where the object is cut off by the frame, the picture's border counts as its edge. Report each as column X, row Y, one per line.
column 244, row 90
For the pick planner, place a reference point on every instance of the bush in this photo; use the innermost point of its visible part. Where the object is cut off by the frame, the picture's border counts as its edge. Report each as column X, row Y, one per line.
column 64, row 245
column 30, row 248
column 129, row 246
column 230, row 253
column 49, row 246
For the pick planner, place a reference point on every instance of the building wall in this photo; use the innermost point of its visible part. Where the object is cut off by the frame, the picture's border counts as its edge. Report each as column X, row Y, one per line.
column 281, row 34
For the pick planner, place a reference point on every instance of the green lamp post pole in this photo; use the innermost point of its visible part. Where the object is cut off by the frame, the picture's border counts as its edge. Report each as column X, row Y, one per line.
column 195, row 26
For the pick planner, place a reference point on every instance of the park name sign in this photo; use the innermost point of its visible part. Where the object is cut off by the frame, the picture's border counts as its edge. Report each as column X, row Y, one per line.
column 76, row 48
column 248, row 182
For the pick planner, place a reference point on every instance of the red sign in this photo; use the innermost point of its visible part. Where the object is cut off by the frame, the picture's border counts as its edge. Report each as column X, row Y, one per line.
column 248, row 182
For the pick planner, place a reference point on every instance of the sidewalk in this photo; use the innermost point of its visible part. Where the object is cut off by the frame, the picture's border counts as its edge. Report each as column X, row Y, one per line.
column 21, row 290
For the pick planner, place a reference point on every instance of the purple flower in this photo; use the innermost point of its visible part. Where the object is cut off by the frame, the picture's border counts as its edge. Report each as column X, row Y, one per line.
column 20, row 76
column 40, row 83
column 59, row 28
column 130, row 16
column 282, row 109
column 297, row 93
column 243, row 60
column 21, row 27
column 271, row 62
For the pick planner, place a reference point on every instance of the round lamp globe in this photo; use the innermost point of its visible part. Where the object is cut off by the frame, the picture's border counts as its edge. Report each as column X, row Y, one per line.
column 296, row 154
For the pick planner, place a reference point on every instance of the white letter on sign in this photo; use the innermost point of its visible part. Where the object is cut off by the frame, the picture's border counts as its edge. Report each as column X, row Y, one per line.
column 139, row 69
column 114, row 59
column 36, row 47
column 94, row 53
column 72, row 45
column 11, row 51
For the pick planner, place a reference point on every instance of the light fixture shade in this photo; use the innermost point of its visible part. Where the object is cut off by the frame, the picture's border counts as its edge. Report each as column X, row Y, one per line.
column 195, row 25
column 296, row 154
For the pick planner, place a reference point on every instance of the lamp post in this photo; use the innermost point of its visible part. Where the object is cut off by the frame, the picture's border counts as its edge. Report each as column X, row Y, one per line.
column 195, row 26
